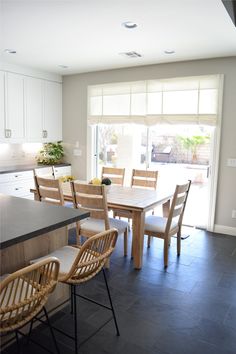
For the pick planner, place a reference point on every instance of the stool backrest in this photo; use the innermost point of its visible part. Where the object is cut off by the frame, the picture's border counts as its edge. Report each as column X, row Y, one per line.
column 92, row 256
column 24, row 293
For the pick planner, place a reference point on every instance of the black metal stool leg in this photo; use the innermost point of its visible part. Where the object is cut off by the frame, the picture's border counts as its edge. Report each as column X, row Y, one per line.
column 29, row 333
column 17, row 343
column 112, row 308
column 71, row 299
column 75, row 319
column 51, row 330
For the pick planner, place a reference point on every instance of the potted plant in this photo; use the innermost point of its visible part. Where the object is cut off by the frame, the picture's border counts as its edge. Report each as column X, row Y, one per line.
column 50, row 154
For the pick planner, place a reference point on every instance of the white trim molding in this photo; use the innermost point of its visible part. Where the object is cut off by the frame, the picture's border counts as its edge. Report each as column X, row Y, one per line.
column 222, row 229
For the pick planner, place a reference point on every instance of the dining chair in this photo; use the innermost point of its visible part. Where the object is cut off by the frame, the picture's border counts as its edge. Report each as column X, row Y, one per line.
column 23, row 296
column 49, row 190
column 165, row 227
column 116, row 175
column 93, row 198
column 80, row 264
column 143, row 179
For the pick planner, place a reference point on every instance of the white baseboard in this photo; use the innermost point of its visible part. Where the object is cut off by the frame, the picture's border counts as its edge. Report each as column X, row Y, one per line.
column 228, row 230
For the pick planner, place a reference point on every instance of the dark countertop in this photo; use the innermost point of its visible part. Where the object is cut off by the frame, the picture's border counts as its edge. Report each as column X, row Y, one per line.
column 18, row 168
column 22, row 219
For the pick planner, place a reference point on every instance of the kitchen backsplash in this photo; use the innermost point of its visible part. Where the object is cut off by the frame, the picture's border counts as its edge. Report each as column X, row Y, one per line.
column 18, row 154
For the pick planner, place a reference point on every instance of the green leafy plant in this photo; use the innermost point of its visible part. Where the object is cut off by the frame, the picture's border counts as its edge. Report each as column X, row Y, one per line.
column 192, row 143
column 50, row 154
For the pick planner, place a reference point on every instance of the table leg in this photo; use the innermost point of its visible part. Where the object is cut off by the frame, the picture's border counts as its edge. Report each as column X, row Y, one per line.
column 138, row 236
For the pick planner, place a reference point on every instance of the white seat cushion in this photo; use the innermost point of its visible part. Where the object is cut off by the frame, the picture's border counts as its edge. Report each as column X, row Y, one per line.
column 158, row 224
column 98, row 225
column 66, row 256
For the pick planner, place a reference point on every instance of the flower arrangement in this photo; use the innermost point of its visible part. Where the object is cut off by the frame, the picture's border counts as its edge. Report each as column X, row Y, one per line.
column 66, row 178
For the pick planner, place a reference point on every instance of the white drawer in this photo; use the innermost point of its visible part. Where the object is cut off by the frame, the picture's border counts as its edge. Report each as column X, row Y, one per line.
column 44, row 172
column 16, row 176
column 62, row 171
column 17, row 189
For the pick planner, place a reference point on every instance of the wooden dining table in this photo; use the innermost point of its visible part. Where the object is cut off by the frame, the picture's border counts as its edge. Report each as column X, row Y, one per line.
column 136, row 200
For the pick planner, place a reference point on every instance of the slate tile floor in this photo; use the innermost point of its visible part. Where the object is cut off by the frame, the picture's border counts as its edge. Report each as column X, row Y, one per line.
column 188, row 309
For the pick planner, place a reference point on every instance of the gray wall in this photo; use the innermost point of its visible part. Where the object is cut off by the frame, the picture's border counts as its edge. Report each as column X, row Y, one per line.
column 75, row 117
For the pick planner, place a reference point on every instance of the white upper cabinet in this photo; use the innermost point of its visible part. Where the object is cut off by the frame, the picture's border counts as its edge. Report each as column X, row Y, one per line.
column 52, row 122
column 30, row 109
column 34, row 109
column 14, row 110
column 2, row 107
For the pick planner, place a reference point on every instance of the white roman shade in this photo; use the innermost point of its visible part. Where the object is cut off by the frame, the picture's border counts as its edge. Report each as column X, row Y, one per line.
column 189, row 100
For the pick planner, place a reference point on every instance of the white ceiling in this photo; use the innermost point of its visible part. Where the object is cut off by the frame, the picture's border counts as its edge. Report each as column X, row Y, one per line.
column 87, row 35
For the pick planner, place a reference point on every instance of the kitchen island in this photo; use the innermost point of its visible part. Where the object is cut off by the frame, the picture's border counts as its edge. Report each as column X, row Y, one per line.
column 31, row 229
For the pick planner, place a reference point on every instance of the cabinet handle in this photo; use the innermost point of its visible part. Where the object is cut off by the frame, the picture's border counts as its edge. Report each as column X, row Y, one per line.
column 45, row 133
column 9, row 133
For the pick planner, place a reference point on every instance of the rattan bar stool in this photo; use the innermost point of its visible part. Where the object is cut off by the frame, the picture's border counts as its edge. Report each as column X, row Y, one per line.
column 23, row 295
column 79, row 264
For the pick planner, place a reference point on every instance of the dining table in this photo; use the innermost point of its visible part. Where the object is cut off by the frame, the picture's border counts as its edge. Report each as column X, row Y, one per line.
column 138, row 201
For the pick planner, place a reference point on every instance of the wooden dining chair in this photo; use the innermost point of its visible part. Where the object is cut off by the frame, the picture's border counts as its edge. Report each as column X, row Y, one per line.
column 163, row 227
column 143, row 179
column 49, row 190
column 80, row 264
column 116, row 175
column 23, row 296
column 93, row 198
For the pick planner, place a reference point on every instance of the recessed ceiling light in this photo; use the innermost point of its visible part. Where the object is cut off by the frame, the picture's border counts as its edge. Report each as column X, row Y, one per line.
column 63, row 66
column 169, row 51
column 10, row 51
column 129, row 24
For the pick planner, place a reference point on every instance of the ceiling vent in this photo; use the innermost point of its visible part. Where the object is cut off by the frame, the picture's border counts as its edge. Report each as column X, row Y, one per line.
column 131, row 54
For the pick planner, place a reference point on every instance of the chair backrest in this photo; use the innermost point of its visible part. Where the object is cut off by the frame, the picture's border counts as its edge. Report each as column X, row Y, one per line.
column 49, row 190
column 24, row 293
column 92, row 256
column 116, row 175
column 143, row 178
column 91, row 198
column 44, row 172
column 178, row 205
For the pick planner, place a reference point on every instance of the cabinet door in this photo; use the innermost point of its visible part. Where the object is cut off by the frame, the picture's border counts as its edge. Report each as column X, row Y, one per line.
column 2, row 108
column 52, row 111
column 34, row 109
column 15, row 123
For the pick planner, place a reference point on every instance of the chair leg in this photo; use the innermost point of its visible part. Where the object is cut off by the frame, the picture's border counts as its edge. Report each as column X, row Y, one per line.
column 126, row 242
column 166, row 246
column 75, row 318
column 71, row 300
column 178, row 242
column 30, row 331
column 17, row 343
column 51, row 330
column 149, row 241
column 112, row 308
